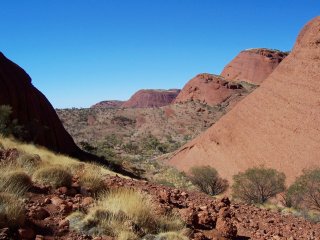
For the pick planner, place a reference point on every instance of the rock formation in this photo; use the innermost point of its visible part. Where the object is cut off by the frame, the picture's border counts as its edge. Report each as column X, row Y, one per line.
column 32, row 109
column 208, row 89
column 253, row 65
column 151, row 98
column 35, row 113
column 108, row 104
column 277, row 125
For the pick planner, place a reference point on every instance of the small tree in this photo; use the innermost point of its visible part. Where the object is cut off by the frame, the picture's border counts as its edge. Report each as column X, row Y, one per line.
column 305, row 191
column 208, row 180
column 258, row 184
column 7, row 125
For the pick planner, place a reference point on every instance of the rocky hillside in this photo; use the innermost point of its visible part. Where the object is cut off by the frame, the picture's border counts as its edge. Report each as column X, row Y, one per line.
column 209, row 89
column 172, row 125
column 108, row 104
column 151, row 98
column 276, row 125
column 32, row 110
column 62, row 198
column 253, row 65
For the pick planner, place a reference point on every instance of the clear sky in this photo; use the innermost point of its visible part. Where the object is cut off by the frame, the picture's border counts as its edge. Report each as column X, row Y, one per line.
column 79, row 52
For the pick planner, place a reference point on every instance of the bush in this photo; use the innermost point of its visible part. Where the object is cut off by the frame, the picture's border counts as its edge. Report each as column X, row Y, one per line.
column 208, row 180
column 258, row 184
column 7, row 125
column 124, row 214
column 12, row 212
column 305, row 191
column 55, row 176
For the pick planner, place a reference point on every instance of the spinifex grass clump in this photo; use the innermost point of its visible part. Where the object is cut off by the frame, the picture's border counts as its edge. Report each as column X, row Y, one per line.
column 12, row 212
column 29, row 162
column 124, row 212
column 92, row 179
column 55, row 176
column 15, row 182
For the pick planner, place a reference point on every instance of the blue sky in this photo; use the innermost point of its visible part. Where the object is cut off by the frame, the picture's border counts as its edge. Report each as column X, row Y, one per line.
column 79, row 52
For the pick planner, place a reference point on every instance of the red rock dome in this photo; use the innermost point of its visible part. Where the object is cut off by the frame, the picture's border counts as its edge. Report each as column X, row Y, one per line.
column 208, row 89
column 151, row 98
column 277, row 125
column 253, row 65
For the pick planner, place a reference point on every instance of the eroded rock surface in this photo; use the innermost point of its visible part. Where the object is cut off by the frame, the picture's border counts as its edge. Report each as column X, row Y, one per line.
column 253, row 65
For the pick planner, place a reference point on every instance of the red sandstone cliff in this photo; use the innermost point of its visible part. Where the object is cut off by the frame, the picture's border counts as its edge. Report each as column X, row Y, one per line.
column 151, row 98
column 208, row 89
column 108, row 104
column 253, row 65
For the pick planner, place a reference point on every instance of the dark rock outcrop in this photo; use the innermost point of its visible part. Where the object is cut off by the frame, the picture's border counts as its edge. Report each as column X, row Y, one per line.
column 32, row 109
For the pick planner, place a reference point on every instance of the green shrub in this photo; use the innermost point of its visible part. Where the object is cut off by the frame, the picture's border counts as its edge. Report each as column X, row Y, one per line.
column 258, row 184
column 208, row 180
column 305, row 191
column 9, row 126
column 56, row 176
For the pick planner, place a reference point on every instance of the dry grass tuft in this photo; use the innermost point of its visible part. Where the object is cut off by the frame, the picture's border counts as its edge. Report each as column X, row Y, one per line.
column 91, row 178
column 15, row 182
column 29, row 162
column 12, row 212
column 47, row 157
column 55, row 176
column 125, row 214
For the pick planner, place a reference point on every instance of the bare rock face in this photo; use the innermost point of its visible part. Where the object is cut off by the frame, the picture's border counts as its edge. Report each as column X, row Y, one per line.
column 253, row 65
column 208, row 89
column 277, row 125
column 33, row 110
column 151, row 98
column 108, row 104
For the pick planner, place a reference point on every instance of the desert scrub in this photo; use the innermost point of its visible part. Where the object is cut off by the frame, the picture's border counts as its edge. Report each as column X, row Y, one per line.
column 91, row 179
column 258, row 184
column 124, row 212
column 304, row 193
column 55, row 176
column 12, row 212
column 15, row 182
column 208, row 180
column 171, row 177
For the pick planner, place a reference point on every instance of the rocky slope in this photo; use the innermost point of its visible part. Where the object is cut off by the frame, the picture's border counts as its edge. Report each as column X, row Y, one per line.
column 253, row 65
column 208, row 89
column 277, row 125
column 47, row 212
column 33, row 110
column 108, row 104
column 151, row 98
